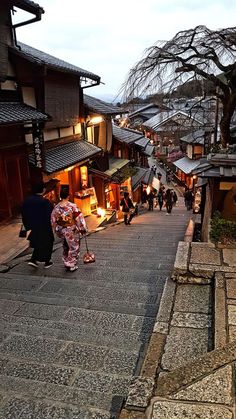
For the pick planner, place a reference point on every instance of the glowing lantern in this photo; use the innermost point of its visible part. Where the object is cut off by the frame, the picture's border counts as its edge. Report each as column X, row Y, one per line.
column 101, row 212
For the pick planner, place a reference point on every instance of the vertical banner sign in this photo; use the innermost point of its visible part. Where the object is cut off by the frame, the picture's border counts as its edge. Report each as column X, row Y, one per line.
column 38, row 145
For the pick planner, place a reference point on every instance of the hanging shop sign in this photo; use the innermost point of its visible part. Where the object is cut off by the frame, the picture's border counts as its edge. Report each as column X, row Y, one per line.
column 38, row 146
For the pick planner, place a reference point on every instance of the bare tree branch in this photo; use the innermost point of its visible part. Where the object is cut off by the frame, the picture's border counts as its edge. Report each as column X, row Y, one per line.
column 200, row 53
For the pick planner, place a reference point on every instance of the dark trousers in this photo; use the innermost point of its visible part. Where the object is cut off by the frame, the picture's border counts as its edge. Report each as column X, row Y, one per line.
column 128, row 217
column 150, row 205
column 42, row 253
column 168, row 207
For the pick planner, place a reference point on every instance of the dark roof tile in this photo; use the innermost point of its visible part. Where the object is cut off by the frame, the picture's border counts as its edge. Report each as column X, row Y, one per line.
column 19, row 113
column 66, row 155
column 42, row 58
column 100, row 107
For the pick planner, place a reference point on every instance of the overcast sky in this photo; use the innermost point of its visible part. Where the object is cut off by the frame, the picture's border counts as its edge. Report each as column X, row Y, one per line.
column 108, row 38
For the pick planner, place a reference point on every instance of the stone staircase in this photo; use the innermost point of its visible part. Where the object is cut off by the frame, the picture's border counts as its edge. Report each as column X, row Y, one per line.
column 70, row 343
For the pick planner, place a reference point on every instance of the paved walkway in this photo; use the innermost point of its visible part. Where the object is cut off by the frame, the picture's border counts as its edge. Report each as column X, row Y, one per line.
column 72, row 341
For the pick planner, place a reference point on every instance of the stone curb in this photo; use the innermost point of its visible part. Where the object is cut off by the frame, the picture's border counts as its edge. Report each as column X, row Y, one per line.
column 142, row 387
column 182, row 377
column 220, row 312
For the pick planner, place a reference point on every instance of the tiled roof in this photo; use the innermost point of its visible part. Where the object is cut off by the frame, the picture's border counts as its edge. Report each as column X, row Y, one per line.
column 148, row 178
column 220, row 172
column 19, row 113
column 126, row 135
column 66, row 155
column 186, row 165
column 149, row 150
column 151, row 107
column 138, row 177
column 42, row 58
column 28, row 5
column 196, row 137
column 162, row 117
column 100, row 107
column 142, row 142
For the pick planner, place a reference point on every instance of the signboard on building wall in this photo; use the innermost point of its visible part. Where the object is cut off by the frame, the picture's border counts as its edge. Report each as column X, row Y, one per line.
column 38, row 147
column 226, row 186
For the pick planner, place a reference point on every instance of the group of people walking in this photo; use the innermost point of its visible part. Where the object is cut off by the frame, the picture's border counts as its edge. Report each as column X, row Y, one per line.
column 68, row 223
column 41, row 219
column 167, row 198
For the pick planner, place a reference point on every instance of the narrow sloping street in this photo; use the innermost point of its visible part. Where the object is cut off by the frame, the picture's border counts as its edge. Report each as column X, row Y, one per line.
column 71, row 341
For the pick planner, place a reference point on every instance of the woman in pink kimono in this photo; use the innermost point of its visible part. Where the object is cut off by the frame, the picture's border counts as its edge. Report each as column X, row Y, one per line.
column 68, row 223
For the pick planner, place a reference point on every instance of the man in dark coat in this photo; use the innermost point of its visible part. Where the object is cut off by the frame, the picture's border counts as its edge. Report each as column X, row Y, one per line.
column 36, row 217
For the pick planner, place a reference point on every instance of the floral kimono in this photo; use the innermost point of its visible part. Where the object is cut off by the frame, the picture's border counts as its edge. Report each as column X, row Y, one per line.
column 68, row 222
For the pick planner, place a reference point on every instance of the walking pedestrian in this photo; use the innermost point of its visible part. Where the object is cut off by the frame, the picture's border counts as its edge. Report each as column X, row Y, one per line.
column 160, row 197
column 126, row 207
column 188, row 199
column 175, row 198
column 68, row 223
column 169, row 201
column 150, row 198
column 36, row 214
column 144, row 196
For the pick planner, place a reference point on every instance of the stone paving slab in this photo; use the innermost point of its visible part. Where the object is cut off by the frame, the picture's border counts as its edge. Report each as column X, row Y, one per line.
column 169, row 409
column 186, row 343
column 229, row 257
column 193, row 298
column 204, row 254
column 215, row 388
column 31, row 347
column 193, row 320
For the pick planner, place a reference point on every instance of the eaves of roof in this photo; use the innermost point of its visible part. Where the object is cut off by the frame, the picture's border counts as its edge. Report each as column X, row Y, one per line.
column 43, row 59
column 148, row 151
column 186, row 165
column 162, row 117
column 125, row 135
column 116, row 165
column 13, row 113
column 28, row 6
column 148, row 178
column 136, row 180
column 99, row 106
column 142, row 142
column 63, row 156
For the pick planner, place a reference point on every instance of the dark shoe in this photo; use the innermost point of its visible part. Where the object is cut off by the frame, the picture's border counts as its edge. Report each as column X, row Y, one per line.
column 48, row 265
column 33, row 263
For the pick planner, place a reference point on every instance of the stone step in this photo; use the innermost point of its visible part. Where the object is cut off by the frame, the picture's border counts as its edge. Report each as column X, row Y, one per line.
column 40, row 400
column 126, row 332
column 144, row 280
column 123, row 307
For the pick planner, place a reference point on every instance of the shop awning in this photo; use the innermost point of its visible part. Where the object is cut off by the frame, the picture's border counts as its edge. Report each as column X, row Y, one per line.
column 115, row 165
column 138, row 177
column 99, row 173
column 12, row 113
column 149, row 150
column 66, row 155
column 186, row 165
column 148, row 178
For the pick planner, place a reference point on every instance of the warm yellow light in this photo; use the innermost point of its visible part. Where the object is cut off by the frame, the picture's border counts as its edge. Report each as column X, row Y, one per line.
column 194, row 176
column 96, row 120
column 101, row 212
column 148, row 190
